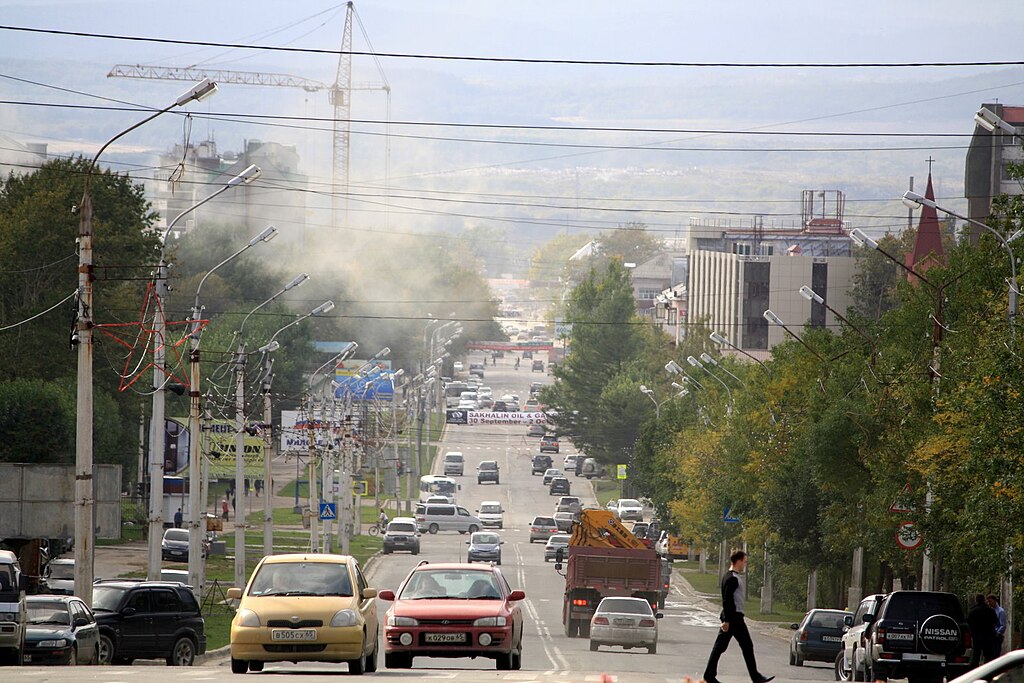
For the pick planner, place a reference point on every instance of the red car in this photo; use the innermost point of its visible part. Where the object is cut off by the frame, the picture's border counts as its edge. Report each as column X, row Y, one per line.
column 454, row 610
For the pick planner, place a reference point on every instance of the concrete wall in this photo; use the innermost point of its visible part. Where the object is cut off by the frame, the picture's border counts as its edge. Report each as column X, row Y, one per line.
column 37, row 501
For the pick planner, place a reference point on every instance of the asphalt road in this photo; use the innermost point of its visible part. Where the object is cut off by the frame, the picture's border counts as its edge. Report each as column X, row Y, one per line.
column 686, row 632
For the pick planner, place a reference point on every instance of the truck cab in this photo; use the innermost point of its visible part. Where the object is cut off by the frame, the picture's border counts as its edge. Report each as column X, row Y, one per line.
column 13, row 615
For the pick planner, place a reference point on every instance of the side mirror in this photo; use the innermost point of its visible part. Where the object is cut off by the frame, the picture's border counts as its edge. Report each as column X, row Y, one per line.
column 794, row 626
column 516, row 596
column 467, row 542
column 869, row 618
column 369, row 593
column 659, row 615
column 80, row 622
column 234, row 594
column 501, row 542
column 848, row 620
column 128, row 611
column 386, row 595
column 22, row 583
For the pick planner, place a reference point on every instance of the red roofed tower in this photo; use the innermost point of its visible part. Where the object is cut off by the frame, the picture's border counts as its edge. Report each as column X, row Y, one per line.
column 928, row 250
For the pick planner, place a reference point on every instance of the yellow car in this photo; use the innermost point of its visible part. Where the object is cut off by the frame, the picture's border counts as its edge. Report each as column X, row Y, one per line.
column 305, row 608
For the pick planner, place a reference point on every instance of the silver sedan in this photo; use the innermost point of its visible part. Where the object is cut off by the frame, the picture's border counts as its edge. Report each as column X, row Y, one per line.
column 627, row 622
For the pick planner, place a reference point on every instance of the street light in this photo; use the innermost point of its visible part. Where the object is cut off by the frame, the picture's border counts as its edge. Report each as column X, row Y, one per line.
column 674, row 368
column 85, row 531
column 988, row 120
column 776, row 320
column 709, row 360
column 809, row 294
column 697, row 364
column 724, row 341
column 157, row 427
column 196, row 530
column 915, row 201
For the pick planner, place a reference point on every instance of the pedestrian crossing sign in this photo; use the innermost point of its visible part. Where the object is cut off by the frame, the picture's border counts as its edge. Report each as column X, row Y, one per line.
column 328, row 511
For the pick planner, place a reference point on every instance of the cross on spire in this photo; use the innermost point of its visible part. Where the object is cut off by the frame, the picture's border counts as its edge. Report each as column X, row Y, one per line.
column 930, row 162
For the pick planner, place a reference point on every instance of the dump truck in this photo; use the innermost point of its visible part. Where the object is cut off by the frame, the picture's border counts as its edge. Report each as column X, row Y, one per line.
column 604, row 559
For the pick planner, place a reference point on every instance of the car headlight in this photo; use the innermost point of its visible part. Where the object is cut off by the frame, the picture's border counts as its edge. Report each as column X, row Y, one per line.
column 53, row 643
column 490, row 621
column 402, row 621
column 344, row 617
column 248, row 618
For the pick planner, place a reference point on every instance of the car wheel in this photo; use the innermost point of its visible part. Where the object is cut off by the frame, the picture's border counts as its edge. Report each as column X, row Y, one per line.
column 432, row 528
column 255, row 666
column 371, row 661
column 397, row 660
column 594, row 646
column 504, row 661
column 386, row 551
column 183, row 653
column 798, row 660
column 106, row 650
column 357, row 667
column 517, row 658
column 653, row 649
column 584, row 628
column 416, row 552
column 792, row 658
column 239, row 666
column 842, row 670
column 473, row 528
column 72, row 657
column 95, row 656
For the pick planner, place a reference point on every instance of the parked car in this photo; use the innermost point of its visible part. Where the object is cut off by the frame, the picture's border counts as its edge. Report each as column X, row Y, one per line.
column 296, row 599
column 487, row 470
column 541, row 528
column 559, row 486
column 174, row 546
column 401, row 534
column 471, row 612
column 590, row 468
column 627, row 622
column 549, row 443
column 629, row 508
column 484, row 546
column 59, row 577
column 541, row 464
column 491, row 514
column 537, row 366
column 61, row 630
column 850, row 660
column 818, row 637
column 564, row 520
column 148, row 620
column 454, row 464
column 536, row 431
column 571, row 504
column 550, row 473
column 555, row 542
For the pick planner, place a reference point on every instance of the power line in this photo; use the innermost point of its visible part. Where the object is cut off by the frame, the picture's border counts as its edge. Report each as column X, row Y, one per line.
column 512, row 60
column 40, row 313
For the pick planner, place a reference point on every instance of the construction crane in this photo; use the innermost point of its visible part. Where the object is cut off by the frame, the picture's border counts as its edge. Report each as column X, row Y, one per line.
column 339, row 95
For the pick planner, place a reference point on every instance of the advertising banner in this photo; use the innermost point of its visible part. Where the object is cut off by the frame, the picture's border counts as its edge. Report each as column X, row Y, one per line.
column 219, row 448
column 482, row 417
column 295, row 432
column 510, row 346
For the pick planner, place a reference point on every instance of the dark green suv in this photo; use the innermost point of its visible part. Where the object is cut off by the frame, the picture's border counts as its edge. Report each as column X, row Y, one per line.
column 148, row 620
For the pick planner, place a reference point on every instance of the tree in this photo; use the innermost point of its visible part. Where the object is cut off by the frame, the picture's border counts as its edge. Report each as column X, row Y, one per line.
column 551, row 259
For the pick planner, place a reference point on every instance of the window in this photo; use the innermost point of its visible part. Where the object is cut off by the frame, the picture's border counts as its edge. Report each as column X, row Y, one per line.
column 741, row 248
column 165, row 601
column 756, row 279
column 648, row 293
column 819, row 283
column 139, row 601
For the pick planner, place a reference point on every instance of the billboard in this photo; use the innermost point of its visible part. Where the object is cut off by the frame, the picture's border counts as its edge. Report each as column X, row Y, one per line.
column 219, row 448
column 295, row 432
column 510, row 346
column 487, row 417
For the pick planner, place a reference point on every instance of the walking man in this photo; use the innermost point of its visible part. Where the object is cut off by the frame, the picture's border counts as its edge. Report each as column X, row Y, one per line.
column 734, row 595
column 993, row 602
column 982, row 621
column 178, row 518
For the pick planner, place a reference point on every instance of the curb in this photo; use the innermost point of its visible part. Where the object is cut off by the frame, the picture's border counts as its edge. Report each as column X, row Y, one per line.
column 774, row 629
column 211, row 655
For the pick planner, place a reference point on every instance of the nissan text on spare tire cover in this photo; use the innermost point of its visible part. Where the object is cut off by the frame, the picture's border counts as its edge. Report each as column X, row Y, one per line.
column 940, row 634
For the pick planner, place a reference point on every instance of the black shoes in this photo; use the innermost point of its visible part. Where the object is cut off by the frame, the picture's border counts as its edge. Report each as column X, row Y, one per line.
column 765, row 679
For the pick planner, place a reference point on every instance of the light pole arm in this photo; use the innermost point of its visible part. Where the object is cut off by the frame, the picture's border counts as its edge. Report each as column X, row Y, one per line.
column 804, row 344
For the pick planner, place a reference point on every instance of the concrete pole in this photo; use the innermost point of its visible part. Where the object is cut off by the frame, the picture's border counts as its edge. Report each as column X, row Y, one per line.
column 327, row 481
column 141, row 465
column 240, row 466
column 84, row 529
column 856, row 580
column 268, row 456
column 767, row 597
column 314, row 509
column 703, row 562
column 723, row 558
column 157, row 428
column 812, row 589
column 196, row 504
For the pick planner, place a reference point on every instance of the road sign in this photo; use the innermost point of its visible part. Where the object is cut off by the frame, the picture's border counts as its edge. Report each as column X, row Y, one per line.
column 907, row 536
column 620, row 471
column 359, row 487
column 727, row 519
column 328, row 511
column 903, row 501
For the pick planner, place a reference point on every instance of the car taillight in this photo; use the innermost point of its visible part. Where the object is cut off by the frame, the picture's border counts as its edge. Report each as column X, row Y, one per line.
column 666, row 586
column 803, row 635
column 601, row 621
column 880, row 636
column 647, row 623
column 533, row 528
column 579, row 602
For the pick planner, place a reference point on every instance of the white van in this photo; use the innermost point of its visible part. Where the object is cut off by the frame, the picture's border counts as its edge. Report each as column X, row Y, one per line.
column 433, row 518
column 454, row 464
column 491, row 514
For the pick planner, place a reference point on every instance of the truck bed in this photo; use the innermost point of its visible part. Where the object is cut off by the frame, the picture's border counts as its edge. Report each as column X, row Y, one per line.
column 613, row 570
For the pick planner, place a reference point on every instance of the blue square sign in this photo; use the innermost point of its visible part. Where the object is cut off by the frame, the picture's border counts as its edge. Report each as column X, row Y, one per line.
column 328, row 511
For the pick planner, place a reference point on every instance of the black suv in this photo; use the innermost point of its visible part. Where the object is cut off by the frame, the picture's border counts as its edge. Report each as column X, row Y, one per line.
column 921, row 636
column 541, row 464
column 487, row 470
column 148, row 620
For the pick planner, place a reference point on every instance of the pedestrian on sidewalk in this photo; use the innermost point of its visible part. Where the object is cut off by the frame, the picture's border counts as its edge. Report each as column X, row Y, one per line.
column 178, row 519
column 224, row 508
column 983, row 623
column 258, row 485
column 734, row 595
column 993, row 602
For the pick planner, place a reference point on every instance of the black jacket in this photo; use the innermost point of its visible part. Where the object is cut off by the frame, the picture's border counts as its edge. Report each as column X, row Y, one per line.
column 983, row 622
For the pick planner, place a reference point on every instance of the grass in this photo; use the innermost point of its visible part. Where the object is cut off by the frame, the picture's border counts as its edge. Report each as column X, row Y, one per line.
column 218, row 629
column 128, row 534
column 605, row 490
column 708, row 585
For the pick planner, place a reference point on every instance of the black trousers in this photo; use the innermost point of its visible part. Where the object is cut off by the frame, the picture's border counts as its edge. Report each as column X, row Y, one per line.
column 737, row 630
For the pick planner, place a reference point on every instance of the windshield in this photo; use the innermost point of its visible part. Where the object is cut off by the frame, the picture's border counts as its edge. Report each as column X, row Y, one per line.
column 62, row 571
column 443, row 487
column 488, row 465
column 913, row 606
column 401, row 527
column 302, row 578
column 106, row 598
column 490, row 509
column 559, row 539
column 176, row 535
column 48, row 612
column 451, row 584
column 543, row 521
column 829, row 620
column 624, row 606
column 485, row 539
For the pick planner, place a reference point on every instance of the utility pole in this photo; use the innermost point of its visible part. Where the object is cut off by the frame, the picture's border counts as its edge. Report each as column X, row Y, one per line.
column 240, row 465
column 314, row 509
column 268, row 456
column 157, row 428
column 84, row 502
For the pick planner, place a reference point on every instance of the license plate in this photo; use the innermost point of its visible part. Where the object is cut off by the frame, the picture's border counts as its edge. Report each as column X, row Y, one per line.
column 622, row 622
column 293, row 634
column 831, row 639
column 28, row 658
column 922, row 657
column 177, row 552
column 444, row 638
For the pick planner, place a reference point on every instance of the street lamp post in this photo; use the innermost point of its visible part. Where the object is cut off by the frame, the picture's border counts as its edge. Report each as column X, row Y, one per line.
column 674, row 368
column 776, row 320
column 85, row 531
column 197, row 504
column 697, row 364
column 708, row 359
column 157, row 426
column 650, row 395
column 809, row 294
column 724, row 341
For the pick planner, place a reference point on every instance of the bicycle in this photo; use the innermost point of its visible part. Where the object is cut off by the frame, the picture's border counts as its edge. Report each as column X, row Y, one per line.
column 375, row 529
